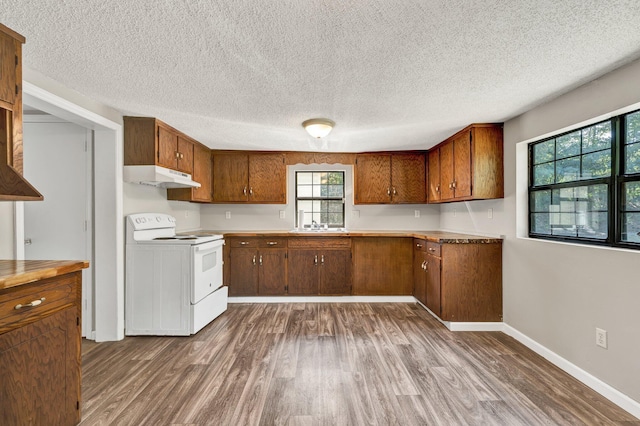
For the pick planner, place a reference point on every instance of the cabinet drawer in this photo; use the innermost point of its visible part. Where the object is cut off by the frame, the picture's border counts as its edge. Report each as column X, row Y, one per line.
column 49, row 296
column 434, row 249
column 275, row 242
column 341, row 242
column 419, row 245
column 242, row 242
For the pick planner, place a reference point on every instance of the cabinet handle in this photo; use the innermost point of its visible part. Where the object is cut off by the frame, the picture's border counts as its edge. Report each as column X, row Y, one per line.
column 451, row 185
column 394, row 191
column 388, row 191
column 251, row 191
column 322, row 259
column 315, row 260
column 260, row 260
column 244, row 243
column 422, row 265
column 431, row 249
column 454, row 184
column 181, row 156
column 30, row 304
column 272, row 243
column 419, row 245
column 254, row 259
column 425, row 265
column 244, row 191
column 438, row 188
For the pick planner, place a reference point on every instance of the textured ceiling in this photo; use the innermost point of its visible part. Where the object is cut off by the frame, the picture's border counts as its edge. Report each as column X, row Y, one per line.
column 393, row 74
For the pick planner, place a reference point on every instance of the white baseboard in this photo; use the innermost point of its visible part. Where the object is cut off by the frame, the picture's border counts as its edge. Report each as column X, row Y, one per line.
column 474, row 326
column 323, row 299
column 623, row 401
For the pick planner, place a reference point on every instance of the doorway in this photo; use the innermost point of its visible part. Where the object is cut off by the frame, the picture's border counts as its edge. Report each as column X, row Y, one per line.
column 58, row 161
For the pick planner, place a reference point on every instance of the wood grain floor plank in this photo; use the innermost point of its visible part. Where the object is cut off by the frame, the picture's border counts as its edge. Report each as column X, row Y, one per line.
column 333, row 364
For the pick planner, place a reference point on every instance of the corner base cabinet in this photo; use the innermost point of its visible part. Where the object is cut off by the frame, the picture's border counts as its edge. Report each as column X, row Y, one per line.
column 40, row 352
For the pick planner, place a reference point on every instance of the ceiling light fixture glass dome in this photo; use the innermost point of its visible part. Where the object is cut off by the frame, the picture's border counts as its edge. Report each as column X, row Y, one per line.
column 318, row 127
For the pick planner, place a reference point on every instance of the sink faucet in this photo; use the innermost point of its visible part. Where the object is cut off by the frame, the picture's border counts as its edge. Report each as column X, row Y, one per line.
column 314, row 224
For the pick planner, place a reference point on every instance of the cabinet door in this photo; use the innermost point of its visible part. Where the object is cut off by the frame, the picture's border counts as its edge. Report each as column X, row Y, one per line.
column 432, row 293
column 273, row 272
column 7, row 68
column 372, row 177
column 446, row 172
column 167, row 148
column 185, row 155
column 243, row 269
column 302, row 267
column 419, row 272
column 434, row 176
column 408, row 178
column 462, row 165
column 335, row 272
column 230, row 177
column 202, row 173
column 39, row 372
column 267, row 178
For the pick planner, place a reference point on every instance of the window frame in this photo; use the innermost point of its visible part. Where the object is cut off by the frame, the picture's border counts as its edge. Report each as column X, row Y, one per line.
column 614, row 186
column 335, row 198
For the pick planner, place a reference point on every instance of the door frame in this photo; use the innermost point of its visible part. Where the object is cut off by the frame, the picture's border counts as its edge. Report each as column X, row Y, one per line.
column 108, row 220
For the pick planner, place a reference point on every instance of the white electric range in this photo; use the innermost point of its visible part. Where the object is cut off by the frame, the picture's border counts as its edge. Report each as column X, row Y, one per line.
column 173, row 283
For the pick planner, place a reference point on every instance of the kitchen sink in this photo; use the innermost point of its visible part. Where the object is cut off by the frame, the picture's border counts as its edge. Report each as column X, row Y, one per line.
column 318, row 230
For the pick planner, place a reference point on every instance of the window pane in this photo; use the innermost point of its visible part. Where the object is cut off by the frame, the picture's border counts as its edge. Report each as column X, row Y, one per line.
column 568, row 170
column 303, row 178
column 633, row 127
column 630, row 228
column 595, row 225
column 305, row 205
column 631, row 196
column 596, row 138
column 317, row 178
column 632, row 159
column 336, row 220
column 598, row 197
column 543, row 174
column 540, row 223
column 335, row 206
column 544, row 152
column 597, row 164
column 336, row 191
column 336, row 178
column 540, row 201
column 304, row 191
column 568, row 145
column 317, row 191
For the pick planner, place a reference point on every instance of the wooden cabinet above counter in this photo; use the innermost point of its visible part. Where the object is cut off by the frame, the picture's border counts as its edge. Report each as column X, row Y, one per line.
column 13, row 186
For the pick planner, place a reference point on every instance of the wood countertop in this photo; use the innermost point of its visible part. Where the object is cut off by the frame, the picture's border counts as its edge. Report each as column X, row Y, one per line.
column 17, row 272
column 441, row 237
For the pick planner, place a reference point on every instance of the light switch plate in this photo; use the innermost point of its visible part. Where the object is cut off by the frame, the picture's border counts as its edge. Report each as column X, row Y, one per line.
column 227, row 215
column 282, row 214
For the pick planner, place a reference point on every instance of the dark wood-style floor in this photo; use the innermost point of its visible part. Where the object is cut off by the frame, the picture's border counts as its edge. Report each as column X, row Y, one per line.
column 332, row 364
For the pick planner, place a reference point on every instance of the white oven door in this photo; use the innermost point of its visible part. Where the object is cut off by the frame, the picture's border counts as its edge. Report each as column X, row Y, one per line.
column 207, row 269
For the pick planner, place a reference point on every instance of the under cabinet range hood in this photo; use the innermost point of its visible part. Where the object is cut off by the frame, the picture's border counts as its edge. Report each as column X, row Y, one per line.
column 158, row 176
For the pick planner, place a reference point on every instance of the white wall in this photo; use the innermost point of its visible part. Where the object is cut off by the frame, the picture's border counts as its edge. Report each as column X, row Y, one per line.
column 254, row 217
column 6, row 230
column 557, row 294
column 146, row 199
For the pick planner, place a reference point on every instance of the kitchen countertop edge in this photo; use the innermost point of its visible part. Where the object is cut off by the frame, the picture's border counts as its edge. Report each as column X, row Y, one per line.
column 14, row 273
column 440, row 237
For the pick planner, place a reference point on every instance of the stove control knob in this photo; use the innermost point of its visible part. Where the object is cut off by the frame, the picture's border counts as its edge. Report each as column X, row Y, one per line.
column 143, row 219
column 158, row 218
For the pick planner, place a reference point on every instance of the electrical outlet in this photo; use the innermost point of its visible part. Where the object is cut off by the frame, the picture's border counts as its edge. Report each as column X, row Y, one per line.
column 281, row 214
column 601, row 338
column 227, row 215
column 490, row 213
column 416, row 213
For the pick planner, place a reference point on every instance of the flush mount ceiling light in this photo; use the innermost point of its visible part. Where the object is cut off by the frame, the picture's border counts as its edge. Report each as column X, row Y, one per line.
column 318, row 127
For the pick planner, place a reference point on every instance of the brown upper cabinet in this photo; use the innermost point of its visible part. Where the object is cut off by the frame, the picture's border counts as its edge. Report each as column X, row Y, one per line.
column 13, row 186
column 249, row 178
column 468, row 165
column 149, row 141
column 389, row 178
column 202, row 173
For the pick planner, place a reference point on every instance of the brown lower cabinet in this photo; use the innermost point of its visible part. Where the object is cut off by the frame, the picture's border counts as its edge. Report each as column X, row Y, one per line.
column 257, row 266
column 319, row 266
column 382, row 266
column 419, row 271
column 464, row 281
column 40, row 352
